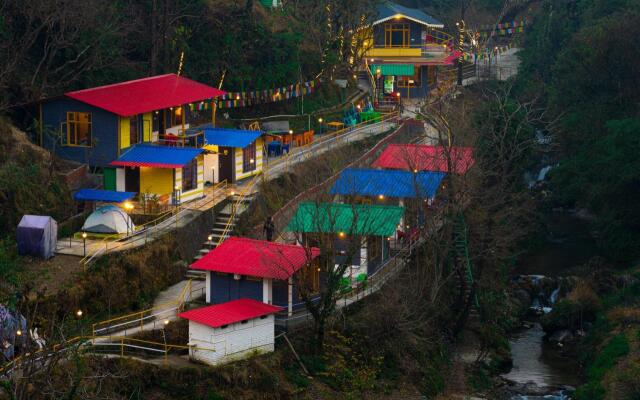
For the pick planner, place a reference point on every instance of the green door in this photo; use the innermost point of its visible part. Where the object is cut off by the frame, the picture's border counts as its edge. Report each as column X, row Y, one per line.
column 109, row 178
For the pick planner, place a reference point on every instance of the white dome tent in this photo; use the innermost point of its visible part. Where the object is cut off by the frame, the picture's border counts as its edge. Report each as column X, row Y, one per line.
column 108, row 219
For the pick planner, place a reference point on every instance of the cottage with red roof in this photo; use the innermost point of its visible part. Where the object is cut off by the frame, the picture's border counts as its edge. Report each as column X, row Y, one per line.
column 99, row 125
column 420, row 157
column 258, row 270
column 230, row 331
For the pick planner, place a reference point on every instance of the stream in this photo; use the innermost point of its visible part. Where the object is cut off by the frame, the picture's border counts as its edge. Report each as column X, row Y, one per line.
column 538, row 371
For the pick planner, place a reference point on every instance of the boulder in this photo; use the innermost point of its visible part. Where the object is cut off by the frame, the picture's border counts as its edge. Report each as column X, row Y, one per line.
column 561, row 336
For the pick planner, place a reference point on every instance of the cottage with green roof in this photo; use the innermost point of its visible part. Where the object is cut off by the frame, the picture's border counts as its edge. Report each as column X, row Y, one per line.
column 357, row 234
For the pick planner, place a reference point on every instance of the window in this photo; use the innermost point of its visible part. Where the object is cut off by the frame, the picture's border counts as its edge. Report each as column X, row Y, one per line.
column 78, row 129
column 410, row 81
column 176, row 116
column 249, row 158
column 190, row 176
column 134, row 130
column 396, row 35
column 310, row 275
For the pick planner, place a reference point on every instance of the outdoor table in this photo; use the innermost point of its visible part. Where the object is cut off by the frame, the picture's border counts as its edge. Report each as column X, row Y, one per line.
column 335, row 125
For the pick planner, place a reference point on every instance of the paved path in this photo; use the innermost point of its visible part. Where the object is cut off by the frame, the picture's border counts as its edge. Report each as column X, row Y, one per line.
column 274, row 168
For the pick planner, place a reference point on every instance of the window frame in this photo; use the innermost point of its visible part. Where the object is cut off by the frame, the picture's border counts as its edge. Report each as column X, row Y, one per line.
column 403, row 81
column 249, row 152
column 393, row 27
column 192, row 170
column 73, row 122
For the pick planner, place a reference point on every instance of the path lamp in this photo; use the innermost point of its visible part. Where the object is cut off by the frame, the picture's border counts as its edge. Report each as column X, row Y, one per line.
column 164, row 338
column 320, row 123
column 129, row 207
column 84, row 242
column 78, row 318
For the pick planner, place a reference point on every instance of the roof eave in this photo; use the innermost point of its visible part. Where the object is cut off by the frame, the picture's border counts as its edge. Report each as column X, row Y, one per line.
column 409, row 18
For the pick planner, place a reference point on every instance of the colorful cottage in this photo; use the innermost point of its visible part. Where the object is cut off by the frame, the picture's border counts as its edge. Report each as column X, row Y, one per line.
column 258, row 270
column 358, row 233
column 94, row 126
column 226, row 332
column 414, row 192
column 164, row 174
column 405, row 50
column 232, row 154
column 416, row 157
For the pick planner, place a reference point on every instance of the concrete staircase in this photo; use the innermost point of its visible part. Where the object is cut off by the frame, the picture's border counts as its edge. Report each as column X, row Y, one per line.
column 224, row 217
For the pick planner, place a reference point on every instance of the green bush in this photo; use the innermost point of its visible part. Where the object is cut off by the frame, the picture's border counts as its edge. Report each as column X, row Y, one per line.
column 616, row 348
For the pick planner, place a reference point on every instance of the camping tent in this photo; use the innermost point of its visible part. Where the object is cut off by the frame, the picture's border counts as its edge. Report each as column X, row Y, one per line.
column 37, row 236
column 108, row 219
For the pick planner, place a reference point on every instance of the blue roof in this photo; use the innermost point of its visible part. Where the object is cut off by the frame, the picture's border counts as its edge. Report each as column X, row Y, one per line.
column 389, row 183
column 230, row 137
column 103, row 195
column 147, row 155
column 389, row 10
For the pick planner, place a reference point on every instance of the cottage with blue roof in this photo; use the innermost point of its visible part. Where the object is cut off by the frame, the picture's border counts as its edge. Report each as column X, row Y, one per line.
column 231, row 154
column 406, row 51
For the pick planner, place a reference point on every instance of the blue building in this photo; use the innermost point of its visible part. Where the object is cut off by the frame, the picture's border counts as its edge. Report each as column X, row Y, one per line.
column 94, row 126
column 269, row 272
column 405, row 51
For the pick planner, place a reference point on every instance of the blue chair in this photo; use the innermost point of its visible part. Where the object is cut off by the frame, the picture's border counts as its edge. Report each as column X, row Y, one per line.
column 274, row 149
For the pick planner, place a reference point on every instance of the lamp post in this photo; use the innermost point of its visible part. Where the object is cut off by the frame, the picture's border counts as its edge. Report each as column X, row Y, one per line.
column 84, row 242
column 129, row 207
column 78, row 318
column 320, row 123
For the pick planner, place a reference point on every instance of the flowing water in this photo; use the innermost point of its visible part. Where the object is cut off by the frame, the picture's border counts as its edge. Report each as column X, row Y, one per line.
column 535, row 364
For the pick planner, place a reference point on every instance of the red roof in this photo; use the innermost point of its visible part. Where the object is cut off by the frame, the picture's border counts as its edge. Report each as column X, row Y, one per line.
column 230, row 312
column 424, row 158
column 146, row 94
column 257, row 258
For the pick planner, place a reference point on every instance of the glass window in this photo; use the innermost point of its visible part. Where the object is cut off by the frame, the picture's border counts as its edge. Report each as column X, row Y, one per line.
column 78, row 128
column 249, row 158
column 396, row 35
column 410, row 81
column 190, row 176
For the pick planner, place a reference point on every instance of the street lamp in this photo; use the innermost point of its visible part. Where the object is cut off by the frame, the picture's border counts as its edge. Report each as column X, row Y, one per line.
column 84, row 242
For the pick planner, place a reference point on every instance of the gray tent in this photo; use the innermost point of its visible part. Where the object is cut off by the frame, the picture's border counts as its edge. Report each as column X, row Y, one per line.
column 37, row 236
column 276, row 127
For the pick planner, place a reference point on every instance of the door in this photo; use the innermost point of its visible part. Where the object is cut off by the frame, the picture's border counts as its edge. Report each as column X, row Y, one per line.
column 225, row 164
column 132, row 180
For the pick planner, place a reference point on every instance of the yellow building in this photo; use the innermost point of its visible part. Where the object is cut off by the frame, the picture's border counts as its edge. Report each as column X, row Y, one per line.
column 167, row 174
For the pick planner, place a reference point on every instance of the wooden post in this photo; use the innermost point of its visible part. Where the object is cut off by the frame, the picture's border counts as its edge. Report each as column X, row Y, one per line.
column 121, row 347
column 290, row 298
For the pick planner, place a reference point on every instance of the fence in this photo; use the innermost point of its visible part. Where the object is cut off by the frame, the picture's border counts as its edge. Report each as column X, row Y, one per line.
column 157, row 227
column 151, row 318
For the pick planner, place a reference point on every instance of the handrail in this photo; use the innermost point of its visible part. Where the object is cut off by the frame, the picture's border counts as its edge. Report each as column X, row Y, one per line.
column 234, row 208
column 179, row 301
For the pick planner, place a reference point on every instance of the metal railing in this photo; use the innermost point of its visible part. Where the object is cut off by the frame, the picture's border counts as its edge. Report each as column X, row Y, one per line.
column 136, row 321
column 160, row 225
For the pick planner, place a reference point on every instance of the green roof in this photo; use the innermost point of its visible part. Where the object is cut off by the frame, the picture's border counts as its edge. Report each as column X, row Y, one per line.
column 393, row 69
column 352, row 219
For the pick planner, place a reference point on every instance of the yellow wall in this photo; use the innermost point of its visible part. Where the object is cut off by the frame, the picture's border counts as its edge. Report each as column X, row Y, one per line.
column 147, row 126
column 238, row 158
column 394, row 52
column 156, row 181
column 125, row 132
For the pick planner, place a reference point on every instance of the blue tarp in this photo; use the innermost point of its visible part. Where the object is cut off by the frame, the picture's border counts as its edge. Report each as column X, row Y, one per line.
column 37, row 236
column 230, row 137
column 389, row 183
column 103, row 195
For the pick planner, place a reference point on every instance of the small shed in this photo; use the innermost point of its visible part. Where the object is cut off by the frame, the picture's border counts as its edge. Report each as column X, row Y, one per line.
column 230, row 331
column 37, row 235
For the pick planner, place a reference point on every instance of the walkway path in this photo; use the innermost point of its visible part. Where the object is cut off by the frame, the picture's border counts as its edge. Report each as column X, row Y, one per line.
column 92, row 249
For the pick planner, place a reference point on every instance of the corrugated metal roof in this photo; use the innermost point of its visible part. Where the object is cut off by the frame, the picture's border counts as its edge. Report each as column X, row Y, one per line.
column 351, row 219
column 146, row 94
column 258, row 258
column 230, row 312
column 388, row 10
column 424, row 158
column 103, row 195
column 146, row 155
column 230, row 137
column 388, row 183
column 393, row 69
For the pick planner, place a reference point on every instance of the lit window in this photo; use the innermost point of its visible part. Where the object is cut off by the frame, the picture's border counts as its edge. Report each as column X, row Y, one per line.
column 249, row 158
column 396, row 35
column 78, row 129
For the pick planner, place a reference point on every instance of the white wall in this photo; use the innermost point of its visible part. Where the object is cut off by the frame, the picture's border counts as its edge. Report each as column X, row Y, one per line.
column 120, row 183
column 208, row 287
column 234, row 342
